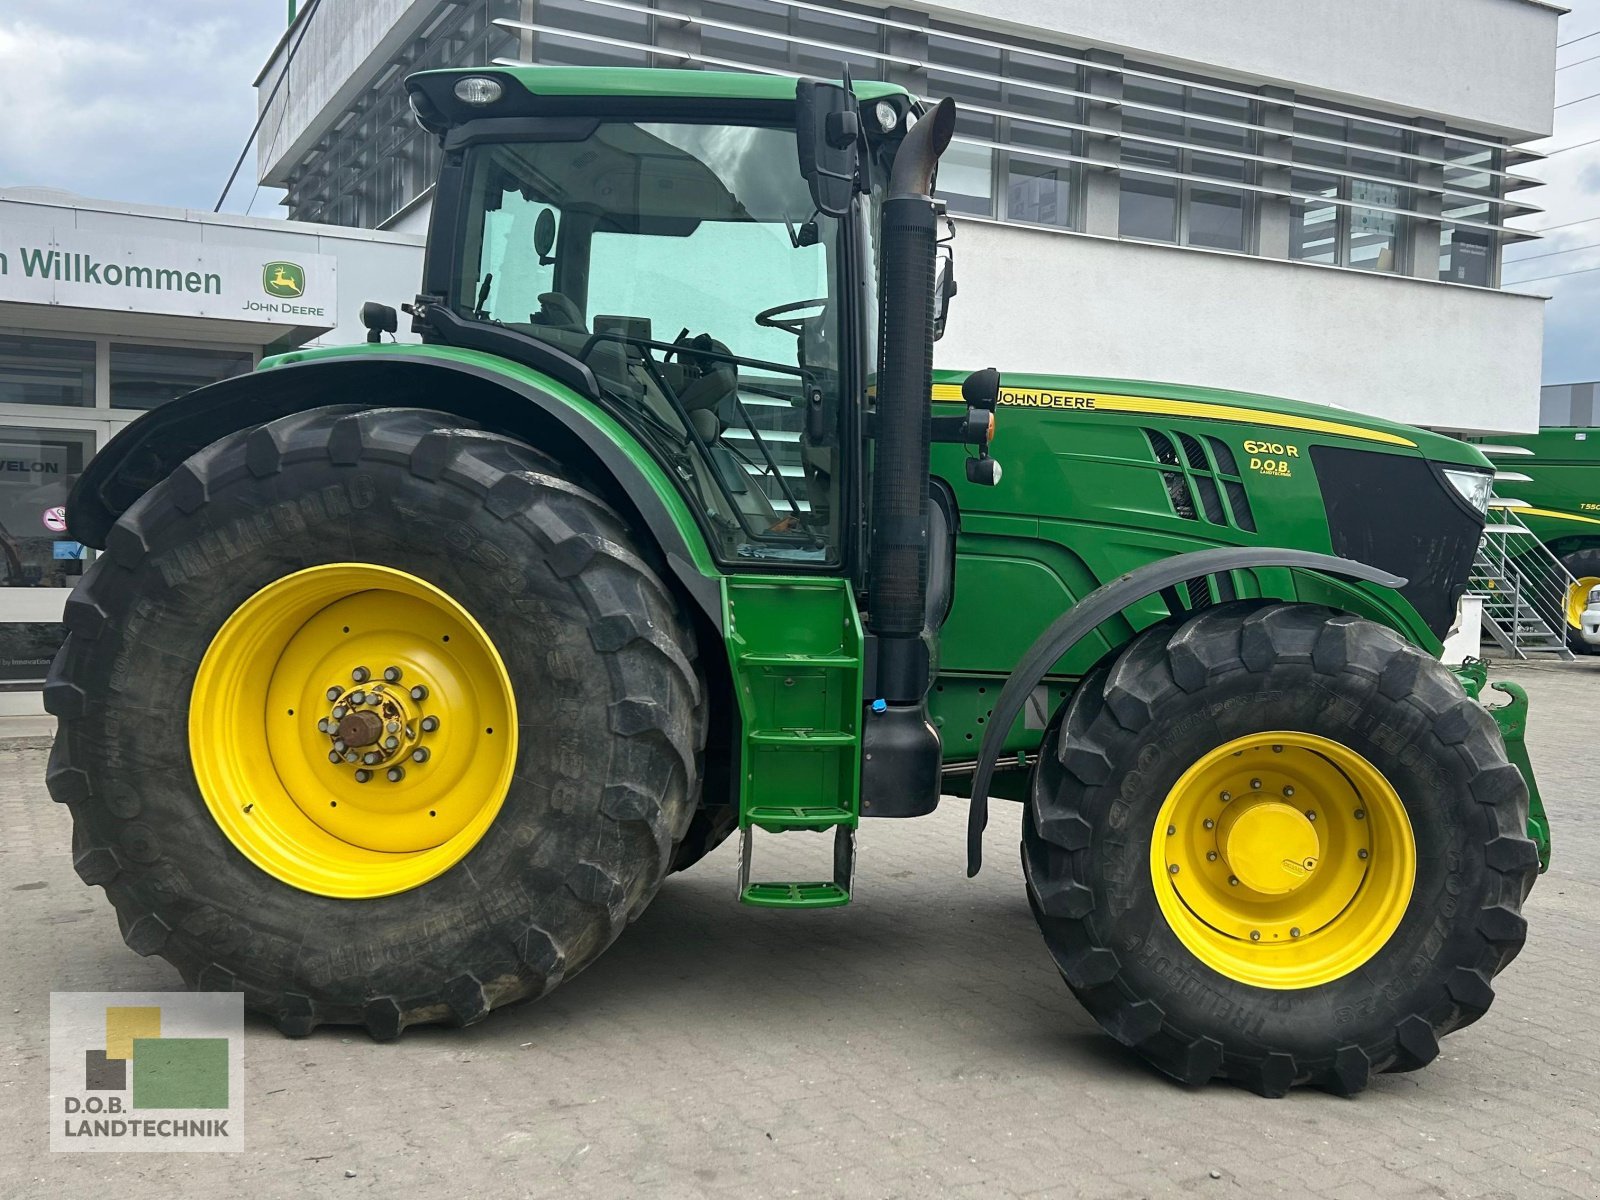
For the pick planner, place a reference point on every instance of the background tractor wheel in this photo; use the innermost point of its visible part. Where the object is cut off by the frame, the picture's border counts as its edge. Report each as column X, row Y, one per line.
column 1584, row 566
column 377, row 719
column 1278, row 845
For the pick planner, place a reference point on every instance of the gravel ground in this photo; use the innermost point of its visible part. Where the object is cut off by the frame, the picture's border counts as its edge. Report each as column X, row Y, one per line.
column 916, row 1043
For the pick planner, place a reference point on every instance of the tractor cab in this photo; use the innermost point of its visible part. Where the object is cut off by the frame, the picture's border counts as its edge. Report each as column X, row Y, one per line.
column 677, row 260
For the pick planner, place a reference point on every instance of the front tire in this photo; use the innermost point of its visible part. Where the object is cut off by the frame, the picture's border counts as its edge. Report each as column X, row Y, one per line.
column 1584, row 566
column 200, row 754
column 1278, row 845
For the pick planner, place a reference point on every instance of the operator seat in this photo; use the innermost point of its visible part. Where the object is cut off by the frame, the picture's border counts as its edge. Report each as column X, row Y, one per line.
column 710, row 397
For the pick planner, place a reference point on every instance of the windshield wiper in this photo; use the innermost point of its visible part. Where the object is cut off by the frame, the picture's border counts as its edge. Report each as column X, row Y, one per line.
column 483, row 295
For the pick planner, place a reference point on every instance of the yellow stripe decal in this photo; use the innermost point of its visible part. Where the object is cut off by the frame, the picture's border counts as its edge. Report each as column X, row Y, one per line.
column 1011, row 397
column 1559, row 516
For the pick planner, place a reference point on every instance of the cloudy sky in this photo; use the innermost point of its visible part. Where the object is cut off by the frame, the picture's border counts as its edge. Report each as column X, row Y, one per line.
column 151, row 101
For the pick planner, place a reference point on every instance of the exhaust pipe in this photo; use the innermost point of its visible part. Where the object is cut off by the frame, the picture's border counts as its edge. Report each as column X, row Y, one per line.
column 901, row 767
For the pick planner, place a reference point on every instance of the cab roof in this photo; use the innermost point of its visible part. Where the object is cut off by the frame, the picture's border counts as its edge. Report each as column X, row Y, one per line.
column 656, row 82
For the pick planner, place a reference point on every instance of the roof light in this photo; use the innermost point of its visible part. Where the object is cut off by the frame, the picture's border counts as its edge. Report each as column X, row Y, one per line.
column 478, row 89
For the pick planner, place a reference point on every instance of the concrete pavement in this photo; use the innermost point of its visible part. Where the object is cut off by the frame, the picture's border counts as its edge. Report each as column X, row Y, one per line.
column 917, row 1043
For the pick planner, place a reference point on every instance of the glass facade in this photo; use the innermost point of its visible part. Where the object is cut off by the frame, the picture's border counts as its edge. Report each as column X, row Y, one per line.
column 71, row 395
column 1045, row 130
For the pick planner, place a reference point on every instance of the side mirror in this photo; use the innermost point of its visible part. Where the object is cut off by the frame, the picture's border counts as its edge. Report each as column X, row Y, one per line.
column 829, row 136
column 544, row 235
column 944, row 287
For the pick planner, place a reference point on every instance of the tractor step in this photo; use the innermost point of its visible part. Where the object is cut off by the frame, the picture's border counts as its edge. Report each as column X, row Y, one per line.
column 770, row 894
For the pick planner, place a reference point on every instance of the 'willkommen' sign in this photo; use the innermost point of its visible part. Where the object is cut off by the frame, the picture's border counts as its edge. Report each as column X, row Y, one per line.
column 44, row 265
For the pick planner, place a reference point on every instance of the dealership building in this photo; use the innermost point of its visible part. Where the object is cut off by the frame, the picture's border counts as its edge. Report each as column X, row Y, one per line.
column 1307, row 199
column 108, row 310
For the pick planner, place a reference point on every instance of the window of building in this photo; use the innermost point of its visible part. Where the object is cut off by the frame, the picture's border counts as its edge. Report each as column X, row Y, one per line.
column 1369, row 170
column 38, row 467
column 1468, row 254
column 1166, row 129
column 149, row 376
column 46, row 370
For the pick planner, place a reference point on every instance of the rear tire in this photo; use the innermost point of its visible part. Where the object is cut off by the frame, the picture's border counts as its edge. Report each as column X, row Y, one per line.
column 1118, row 753
column 1582, row 565
column 610, row 719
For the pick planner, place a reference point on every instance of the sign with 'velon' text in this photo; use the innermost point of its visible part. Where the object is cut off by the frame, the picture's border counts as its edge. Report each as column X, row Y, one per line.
column 45, row 265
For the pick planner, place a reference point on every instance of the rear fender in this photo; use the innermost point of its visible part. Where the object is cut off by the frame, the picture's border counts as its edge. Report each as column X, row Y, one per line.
column 1111, row 599
column 484, row 390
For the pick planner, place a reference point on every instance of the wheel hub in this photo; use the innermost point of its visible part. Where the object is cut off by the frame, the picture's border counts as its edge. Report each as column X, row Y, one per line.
column 1283, row 859
column 1270, row 846
column 353, row 730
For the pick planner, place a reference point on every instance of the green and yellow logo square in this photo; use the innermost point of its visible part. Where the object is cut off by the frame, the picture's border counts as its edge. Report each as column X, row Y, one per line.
column 283, row 280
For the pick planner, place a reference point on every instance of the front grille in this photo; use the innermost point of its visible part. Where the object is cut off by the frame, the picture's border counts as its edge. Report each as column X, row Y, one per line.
column 1197, row 482
column 1399, row 514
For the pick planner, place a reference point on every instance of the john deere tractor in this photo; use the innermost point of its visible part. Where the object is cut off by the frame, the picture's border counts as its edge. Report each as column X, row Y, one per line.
column 408, row 672
column 1559, row 483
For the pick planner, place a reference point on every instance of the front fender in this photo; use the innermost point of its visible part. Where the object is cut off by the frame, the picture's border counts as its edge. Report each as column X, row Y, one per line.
column 485, row 390
column 1101, row 605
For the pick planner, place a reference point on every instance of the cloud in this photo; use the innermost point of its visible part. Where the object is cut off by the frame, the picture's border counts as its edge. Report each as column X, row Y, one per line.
column 143, row 103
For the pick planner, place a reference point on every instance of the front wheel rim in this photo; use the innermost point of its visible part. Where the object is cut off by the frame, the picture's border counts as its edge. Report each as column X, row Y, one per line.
column 353, row 730
column 1578, row 599
column 1283, row 860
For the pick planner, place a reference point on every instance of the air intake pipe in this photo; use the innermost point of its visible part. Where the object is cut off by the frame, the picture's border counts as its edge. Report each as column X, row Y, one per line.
column 900, row 747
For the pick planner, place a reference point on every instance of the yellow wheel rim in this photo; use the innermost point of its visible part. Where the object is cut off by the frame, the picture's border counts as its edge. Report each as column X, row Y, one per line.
column 353, row 730
column 1578, row 599
column 1283, row 860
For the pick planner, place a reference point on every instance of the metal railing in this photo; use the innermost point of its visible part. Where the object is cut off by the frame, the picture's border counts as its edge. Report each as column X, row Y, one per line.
column 1524, row 588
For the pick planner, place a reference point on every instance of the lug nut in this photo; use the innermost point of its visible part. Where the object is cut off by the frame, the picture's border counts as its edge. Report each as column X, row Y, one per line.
column 1210, row 824
column 1255, row 785
column 351, row 756
column 1211, row 856
column 1361, row 814
column 429, row 724
column 396, row 774
column 1288, row 791
column 420, row 754
column 340, row 746
column 339, row 712
column 334, row 756
column 391, row 743
column 1311, row 815
column 1295, row 932
column 363, row 775
column 361, row 674
column 419, row 692
column 1277, row 749
column 393, row 727
column 1171, row 829
column 358, row 697
column 323, row 727
column 1173, row 869
column 1227, row 796
column 1361, row 854
column 333, row 693
column 1233, row 881
column 392, row 674
column 370, row 758
column 1255, row 935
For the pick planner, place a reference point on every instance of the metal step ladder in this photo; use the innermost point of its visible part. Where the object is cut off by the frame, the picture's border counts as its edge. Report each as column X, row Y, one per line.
column 1524, row 587
column 800, row 700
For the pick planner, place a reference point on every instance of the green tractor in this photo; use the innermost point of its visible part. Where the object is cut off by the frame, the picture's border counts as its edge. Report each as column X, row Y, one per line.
column 409, row 672
column 1560, row 485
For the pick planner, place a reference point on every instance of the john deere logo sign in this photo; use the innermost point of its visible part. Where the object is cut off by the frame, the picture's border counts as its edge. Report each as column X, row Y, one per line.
column 285, row 280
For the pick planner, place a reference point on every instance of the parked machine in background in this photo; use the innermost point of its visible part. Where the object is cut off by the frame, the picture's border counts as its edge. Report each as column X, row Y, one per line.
column 409, row 672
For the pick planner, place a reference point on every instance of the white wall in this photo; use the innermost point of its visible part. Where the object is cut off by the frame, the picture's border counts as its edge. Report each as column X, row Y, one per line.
column 1488, row 63
column 1411, row 350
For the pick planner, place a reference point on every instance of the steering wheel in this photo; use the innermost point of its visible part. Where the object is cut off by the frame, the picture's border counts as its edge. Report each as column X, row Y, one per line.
column 769, row 318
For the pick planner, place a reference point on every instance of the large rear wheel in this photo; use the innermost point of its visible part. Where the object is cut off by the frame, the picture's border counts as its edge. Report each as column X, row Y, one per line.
column 1278, row 845
column 376, row 719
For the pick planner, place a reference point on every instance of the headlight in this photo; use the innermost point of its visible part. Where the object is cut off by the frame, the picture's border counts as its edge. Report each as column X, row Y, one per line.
column 1475, row 487
column 478, row 90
